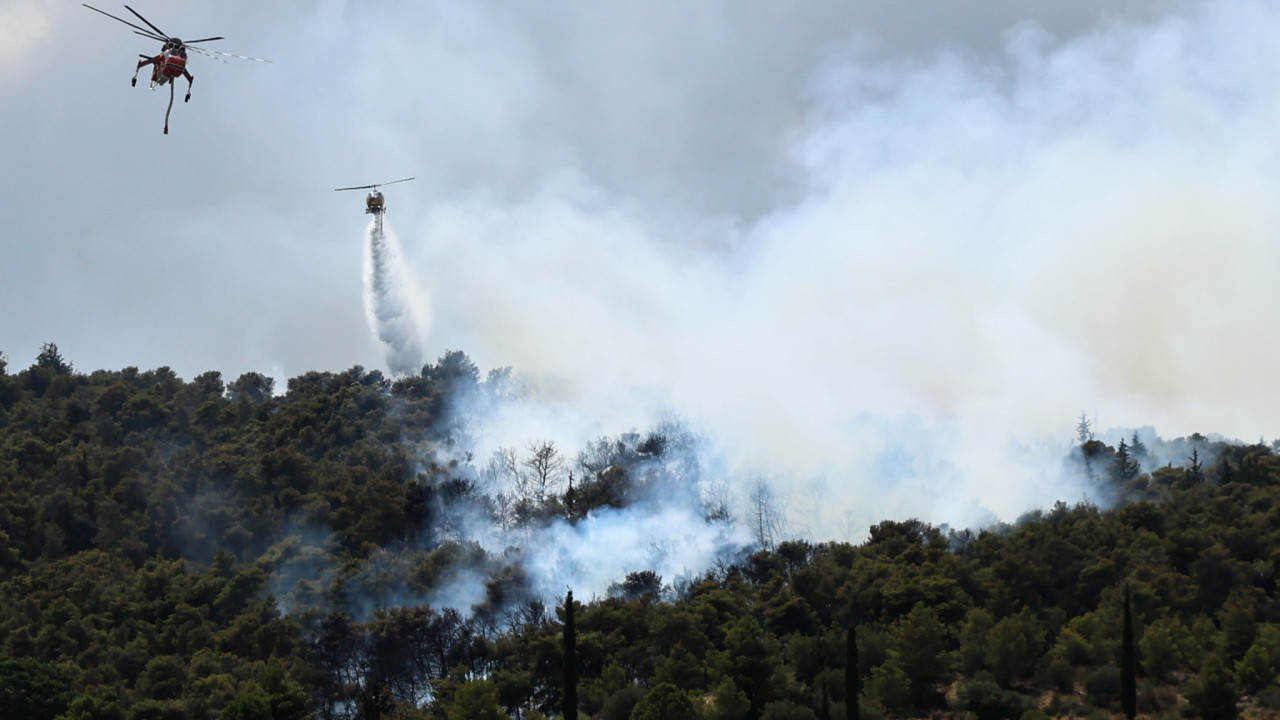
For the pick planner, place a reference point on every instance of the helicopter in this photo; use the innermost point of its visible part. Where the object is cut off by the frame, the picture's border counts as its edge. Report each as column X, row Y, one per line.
column 374, row 204
column 171, row 63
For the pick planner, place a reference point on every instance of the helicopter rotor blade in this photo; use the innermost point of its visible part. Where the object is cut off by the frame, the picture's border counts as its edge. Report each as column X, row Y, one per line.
column 215, row 53
column 239, row 57
column 157, row 34
column 126, row 22
column 378, row 185
column 206, row 53
column 150, row 35
column 148, row 22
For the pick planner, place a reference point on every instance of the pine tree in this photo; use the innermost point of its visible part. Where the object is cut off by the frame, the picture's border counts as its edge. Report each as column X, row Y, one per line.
column 1124, row 466
column 1137, row 448
column 1128, row 664
column 51, row 359
column 570, row 709
column 1213, row 694
column 1195, row 471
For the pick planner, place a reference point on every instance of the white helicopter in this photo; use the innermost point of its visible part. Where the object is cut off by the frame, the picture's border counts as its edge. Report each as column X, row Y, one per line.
column 374, row 204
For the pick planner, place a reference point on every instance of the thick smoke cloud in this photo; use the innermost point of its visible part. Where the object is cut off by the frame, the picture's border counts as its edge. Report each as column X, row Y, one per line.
column 984, row 247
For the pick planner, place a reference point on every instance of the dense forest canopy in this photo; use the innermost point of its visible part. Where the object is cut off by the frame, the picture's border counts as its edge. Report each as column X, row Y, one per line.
column 199, row 549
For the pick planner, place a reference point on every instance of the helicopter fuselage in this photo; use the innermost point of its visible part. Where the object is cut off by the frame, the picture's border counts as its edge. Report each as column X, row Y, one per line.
column 168, row 65
column 374, row 203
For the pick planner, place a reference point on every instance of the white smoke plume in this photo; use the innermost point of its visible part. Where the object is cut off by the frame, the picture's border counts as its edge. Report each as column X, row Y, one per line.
column 592, row 555
column 393, row 305
column 980, row 249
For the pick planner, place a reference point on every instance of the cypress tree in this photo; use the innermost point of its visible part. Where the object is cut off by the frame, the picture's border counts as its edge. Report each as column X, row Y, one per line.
column 824, row 709
column 852, row 683
column 570, row 501
column 570, row 709
column 1128, row 664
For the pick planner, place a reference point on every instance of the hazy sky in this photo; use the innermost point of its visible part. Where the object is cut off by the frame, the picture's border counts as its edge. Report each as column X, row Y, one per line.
column 810, row 226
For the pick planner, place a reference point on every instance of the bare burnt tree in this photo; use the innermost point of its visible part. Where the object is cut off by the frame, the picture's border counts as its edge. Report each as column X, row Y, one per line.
column 545, row 468
column 764, row 515
column 715, row 502
column 505, row 484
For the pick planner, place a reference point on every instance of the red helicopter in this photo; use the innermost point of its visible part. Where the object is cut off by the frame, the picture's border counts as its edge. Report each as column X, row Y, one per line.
column 374, row 204
column 171, row 63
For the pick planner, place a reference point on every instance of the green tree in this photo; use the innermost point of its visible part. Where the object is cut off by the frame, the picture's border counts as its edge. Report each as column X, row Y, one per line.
column 50, row 370
column 51, row 359
column 1213, row 693
column 1253, row 671
column 249, row 705
column 98, row 703
column 1123, row 466
column 728, row 702
column 972, row 655
column 890, row 688
column 475, row 700
column 252, row 387
column 1238, row 620
column 34, row 690
column 1161, row 650
column 988, row 701
column 1103, row 685
column 922, row 650
column 1012, row 647
column 288, row 699
column 680, row 668
column 666, row 702
column 164, row 678
column 751, row 660
column 1137, row 448
column 621, row 703
column 593, row 692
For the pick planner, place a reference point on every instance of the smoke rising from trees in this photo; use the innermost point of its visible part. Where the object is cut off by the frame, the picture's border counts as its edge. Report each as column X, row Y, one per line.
column 969, row 249
column 979, row 247
column 975, row 248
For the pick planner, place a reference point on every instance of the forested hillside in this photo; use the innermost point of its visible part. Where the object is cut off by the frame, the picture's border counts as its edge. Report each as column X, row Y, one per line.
column 199, row 549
